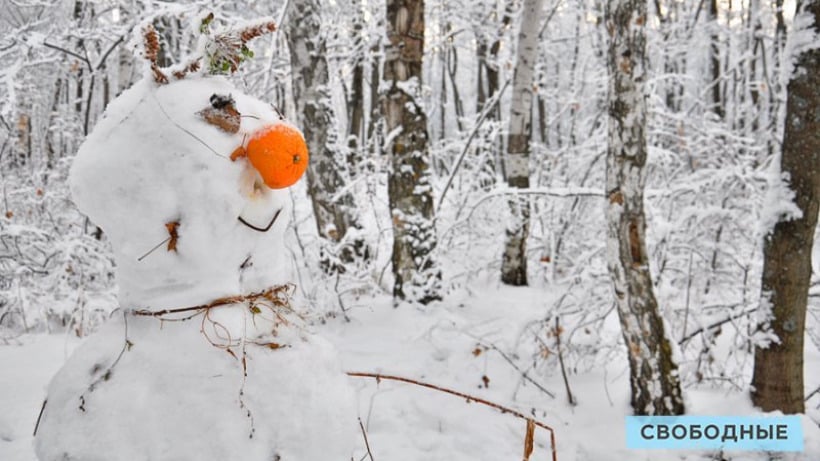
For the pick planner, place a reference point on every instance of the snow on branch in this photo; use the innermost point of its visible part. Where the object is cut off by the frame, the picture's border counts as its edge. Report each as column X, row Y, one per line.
column 223, row 51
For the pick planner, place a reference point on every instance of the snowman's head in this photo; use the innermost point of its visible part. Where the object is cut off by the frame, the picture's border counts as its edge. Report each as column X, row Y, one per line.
column 193, row 170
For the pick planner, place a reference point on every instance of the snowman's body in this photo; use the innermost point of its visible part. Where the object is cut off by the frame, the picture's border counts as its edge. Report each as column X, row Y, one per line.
column 234, row 382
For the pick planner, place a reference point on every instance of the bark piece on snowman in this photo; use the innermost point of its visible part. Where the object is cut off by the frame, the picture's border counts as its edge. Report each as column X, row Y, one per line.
column 222, row 113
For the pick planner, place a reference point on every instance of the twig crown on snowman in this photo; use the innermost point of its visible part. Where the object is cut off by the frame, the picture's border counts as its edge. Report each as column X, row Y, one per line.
column 278, row 152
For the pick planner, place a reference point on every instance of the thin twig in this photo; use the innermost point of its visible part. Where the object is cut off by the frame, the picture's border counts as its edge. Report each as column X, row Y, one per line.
column 489, row 108
column 470, row 398
column 715, row 325
column 70, row 53
column 271, row 294
column 39, row 417
column 126, row 345
column 162, row 109
column 517, row 368
column 366, row 443
column 261, row 229
column 108, row 52
column 561, row 360
column 153, row 249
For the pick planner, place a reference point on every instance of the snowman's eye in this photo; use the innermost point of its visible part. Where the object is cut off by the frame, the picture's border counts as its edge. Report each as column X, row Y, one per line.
column 221, row 101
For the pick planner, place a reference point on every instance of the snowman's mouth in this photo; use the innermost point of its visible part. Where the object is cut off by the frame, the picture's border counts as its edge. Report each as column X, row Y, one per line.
column 261, row 229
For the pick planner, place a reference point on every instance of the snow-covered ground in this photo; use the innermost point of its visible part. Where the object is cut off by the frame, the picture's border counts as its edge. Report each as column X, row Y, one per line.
column 438, row 345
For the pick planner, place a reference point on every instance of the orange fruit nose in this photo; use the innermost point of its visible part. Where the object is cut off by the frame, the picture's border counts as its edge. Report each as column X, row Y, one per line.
column 279, row 154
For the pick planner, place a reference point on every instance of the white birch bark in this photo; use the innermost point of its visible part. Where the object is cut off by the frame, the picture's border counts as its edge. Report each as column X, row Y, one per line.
column 517, row 160
column 653, row 374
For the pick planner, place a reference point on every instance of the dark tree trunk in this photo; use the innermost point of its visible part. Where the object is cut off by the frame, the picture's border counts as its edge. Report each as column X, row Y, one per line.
column 355, row 114
column 417, row 277
column 714, row 59
column 777, row 383
column 653, row 374
column 334, row 215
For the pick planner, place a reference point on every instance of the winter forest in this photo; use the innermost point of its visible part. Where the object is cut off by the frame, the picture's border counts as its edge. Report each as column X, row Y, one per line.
column 515, row 223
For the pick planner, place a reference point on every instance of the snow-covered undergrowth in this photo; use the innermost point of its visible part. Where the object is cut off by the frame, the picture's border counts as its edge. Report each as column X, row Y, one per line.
column 455, row 345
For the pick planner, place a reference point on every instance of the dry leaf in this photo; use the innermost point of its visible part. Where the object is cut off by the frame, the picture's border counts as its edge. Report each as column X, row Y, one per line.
column 174, row 236
column 529, row 441
column 476, row 351
column 225, row 120
column 222, row 113
column 545, row 352
column 486, row 381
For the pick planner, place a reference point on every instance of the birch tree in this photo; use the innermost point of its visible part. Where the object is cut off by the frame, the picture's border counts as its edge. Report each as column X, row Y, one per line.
column 654, row 378
column 416, row 274
column 334, row 210
column 777, row 383
column 517, row 160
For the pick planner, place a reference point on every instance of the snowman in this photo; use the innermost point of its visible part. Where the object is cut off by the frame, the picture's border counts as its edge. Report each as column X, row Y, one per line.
column 204, row 359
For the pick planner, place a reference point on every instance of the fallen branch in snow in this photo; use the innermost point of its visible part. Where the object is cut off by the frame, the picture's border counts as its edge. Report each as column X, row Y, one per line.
column 512, row 363
column 470, row 398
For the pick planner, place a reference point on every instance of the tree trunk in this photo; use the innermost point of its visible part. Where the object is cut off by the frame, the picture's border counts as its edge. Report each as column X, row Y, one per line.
column 777, row 383
column 355, row 114
column 315, row 114
column 417, row 277
column 517, row 160
column 653, row 374
column 714, row 59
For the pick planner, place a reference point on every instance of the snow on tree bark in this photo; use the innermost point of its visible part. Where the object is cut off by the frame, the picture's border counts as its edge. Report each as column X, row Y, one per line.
column 517, row 160
column 654, row 378
column 777, row 383
column 417, row 277
column 334, row 212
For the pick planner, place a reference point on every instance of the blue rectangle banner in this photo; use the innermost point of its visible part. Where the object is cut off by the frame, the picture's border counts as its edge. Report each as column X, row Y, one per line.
column 750, row 433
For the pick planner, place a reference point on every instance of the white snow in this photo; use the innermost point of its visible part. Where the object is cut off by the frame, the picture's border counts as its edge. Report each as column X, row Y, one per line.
column 408, row 423
column 241, row 380
column 153, row 160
